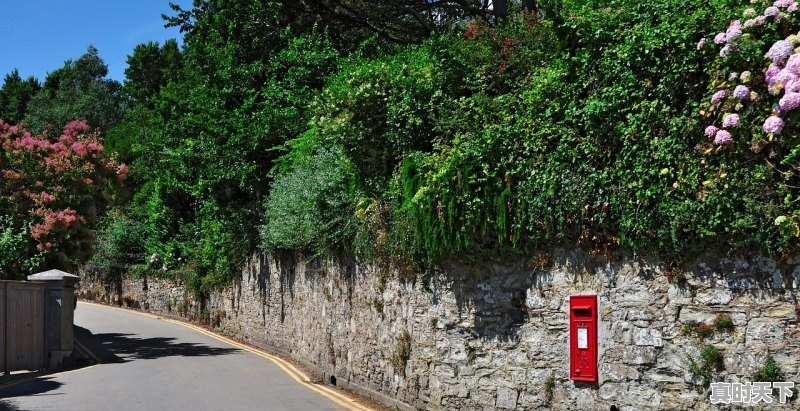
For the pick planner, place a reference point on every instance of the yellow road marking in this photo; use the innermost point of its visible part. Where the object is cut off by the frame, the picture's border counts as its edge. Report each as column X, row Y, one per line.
column 299, row 376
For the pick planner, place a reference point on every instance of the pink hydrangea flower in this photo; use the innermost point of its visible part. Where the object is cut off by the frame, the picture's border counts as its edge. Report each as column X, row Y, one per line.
column 760, row 20
column 741, row 92
column 771, row 11
column 731, row 121
column 793, row 8
column 719, row 96
column 792, row 87
column 720, row 38
column 783, row 3
column 751, row 12
column 780, row 51
column 711, row 131
column 723, row 137
column 773, row 125
column 771, row 72
column 789, row 101
column 734, row 31
column 782, row 78
column 701, row 43
column 793, row 64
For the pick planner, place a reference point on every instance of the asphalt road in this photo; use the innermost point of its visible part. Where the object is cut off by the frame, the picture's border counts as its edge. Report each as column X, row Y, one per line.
column 159, row 365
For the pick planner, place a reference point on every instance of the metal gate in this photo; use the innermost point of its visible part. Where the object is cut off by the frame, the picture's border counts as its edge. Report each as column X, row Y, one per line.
column 22, row 344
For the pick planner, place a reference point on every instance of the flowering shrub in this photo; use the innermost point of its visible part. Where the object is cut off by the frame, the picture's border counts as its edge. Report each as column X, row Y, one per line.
column 780, row 66
column 761, row 111
column 55, row 188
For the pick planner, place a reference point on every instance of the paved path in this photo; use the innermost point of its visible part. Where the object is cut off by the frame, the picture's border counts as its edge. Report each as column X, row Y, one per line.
column 160, row 365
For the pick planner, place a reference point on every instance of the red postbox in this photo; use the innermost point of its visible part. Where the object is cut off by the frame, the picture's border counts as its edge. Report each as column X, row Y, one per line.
column 583, row 317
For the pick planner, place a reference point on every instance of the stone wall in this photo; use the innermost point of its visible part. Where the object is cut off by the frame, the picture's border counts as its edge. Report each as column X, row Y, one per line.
column 494, row 336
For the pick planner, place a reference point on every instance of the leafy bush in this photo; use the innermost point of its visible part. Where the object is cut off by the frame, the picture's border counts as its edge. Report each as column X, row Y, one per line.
column 310, row 207
column 377, row 109
column 118, row 245
column 15, row 259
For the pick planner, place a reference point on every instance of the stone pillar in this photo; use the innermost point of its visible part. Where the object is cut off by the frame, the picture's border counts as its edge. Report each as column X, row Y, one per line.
column 59, row 312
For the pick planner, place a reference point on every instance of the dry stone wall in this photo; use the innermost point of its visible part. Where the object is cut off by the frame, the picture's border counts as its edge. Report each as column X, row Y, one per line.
column 495, row 335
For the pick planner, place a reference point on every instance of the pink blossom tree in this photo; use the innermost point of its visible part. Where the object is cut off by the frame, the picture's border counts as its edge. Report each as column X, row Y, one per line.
column 55, row 189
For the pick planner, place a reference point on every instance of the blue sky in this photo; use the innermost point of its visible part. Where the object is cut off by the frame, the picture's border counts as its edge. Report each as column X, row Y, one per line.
column 39, row 35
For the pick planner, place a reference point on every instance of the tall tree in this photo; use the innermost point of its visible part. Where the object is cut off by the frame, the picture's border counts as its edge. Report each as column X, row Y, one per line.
column 15, row 95
column 243, row 91
column 78, row 90
column 350, row 21
column 150, row 67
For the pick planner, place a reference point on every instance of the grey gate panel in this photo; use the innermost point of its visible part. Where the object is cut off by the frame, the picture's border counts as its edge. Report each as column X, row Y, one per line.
column 24, row 326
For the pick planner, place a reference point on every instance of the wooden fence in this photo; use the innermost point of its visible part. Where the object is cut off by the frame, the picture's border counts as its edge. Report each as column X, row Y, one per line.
column 22, row 326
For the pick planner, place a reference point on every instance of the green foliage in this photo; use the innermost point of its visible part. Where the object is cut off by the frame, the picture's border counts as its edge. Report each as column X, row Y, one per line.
column 310, row 207
column 15, row 95
column 705, row 367
column 204, row 141
column 378, row 109
column 118, row 245
column 78, row 90
column 724, row 322
column 394, row 21
column 769, row 372
column 15, row 242
column 219, row 237
column 151, row 67
column 579, row 130
column 580, row 125
column 549, row 386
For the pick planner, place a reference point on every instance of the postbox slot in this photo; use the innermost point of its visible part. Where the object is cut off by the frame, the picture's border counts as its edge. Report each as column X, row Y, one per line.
column 582, row 311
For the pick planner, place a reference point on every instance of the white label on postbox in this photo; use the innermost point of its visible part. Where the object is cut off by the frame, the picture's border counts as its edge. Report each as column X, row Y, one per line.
column 583, row 338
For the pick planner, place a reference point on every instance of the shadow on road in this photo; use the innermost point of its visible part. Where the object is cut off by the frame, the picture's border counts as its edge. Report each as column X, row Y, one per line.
column 117, row 347
column 110, row 348
column 36, row 386
column 8, row 406
column 130, row 347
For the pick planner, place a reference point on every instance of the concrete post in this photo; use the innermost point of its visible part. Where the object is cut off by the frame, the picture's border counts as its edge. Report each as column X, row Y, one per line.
column 59, row 312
